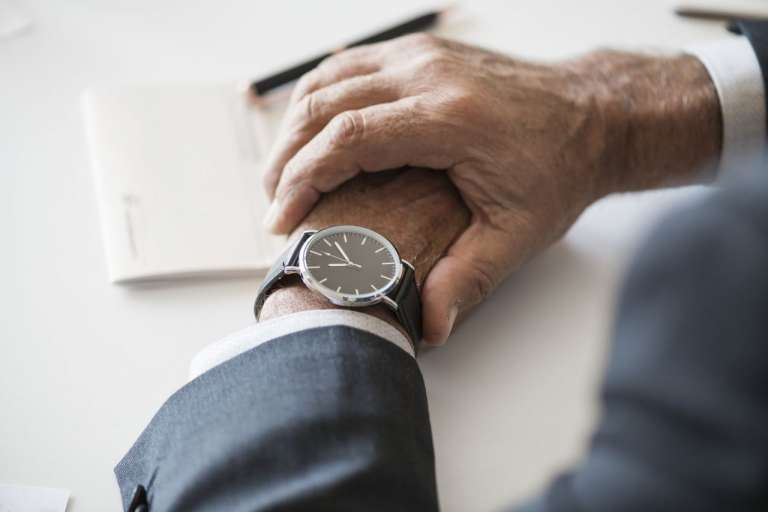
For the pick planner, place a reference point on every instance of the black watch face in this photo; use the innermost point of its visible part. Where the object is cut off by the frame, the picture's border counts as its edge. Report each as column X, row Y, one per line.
column 350, row 264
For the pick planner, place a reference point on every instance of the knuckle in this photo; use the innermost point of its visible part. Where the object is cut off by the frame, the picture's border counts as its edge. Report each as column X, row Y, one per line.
column 483, row 283
column 452, row 102
column 268, row 181
column 306, row 111
column 292, row 174
column 333, row 65
column 330, row 63
column 434, row 62
column 461, row 102
column 346, row 128
column 421, row 39
column 306, row 83
column 287, row 187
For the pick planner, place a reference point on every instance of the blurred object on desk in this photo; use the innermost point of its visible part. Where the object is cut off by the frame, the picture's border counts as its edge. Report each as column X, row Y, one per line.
column 723, row 10
column 14, row 21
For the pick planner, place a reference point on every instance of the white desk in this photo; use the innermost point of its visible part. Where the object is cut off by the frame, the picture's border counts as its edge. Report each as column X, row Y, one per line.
column 84, row 364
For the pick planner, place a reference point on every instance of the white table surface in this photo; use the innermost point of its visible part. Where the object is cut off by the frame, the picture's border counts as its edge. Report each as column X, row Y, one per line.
column 84, row 364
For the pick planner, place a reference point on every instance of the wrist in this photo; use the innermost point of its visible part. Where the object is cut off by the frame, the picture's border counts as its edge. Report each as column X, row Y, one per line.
column 294, row 297
column 419, row 211
column 661, row 117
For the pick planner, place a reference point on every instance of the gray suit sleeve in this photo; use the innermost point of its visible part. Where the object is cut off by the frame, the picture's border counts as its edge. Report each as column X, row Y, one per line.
column 325, row 419
column 757, row 33
column 685, row 396
column 336, row 419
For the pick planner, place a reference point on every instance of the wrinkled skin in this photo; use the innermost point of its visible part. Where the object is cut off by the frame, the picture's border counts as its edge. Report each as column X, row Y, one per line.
column 528, row 146
column 402, row 205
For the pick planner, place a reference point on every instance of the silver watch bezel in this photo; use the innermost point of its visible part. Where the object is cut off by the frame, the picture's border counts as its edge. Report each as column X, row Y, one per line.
column 345, row 299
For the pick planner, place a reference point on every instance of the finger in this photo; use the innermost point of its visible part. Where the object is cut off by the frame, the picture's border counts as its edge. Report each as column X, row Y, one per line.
column 350, row 63
column 375, row 138
column 474, row 265
column 305, row 119
column 361, row 60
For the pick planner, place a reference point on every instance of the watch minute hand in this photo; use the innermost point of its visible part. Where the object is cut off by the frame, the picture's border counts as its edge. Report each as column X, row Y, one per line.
column 342, row 252
column 335, row 257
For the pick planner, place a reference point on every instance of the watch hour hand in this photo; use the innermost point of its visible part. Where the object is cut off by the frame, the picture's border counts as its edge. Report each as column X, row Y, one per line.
column 345, row 264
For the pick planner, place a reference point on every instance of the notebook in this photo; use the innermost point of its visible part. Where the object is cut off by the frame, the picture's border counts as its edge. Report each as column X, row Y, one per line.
column 177, row 170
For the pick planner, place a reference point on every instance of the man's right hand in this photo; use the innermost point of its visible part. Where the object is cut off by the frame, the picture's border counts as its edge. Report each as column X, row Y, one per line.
column 529, row 146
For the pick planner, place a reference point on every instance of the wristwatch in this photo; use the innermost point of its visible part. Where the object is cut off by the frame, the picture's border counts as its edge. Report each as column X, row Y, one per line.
column 354, row 267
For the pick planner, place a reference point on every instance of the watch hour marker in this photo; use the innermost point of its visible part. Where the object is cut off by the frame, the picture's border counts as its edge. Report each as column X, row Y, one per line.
column 384, row 277
column 345, row 238
column 364, row 240
column 315, row 253
column 387, row 262
column 327, row 242
column 380, row 249
column 338, row 289
column 313, row 266
column 374, row 288
column 322, row 280
column 357, row 292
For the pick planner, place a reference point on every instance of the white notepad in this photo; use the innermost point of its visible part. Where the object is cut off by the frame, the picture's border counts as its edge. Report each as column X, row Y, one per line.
column 25, row 498
column 177, row 170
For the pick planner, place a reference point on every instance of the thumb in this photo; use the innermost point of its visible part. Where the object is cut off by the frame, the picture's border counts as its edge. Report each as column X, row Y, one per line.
column 474, row 265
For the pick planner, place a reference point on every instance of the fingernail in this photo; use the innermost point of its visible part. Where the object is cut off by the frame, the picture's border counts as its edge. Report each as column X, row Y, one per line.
column 270, row 219
column 452, row 314
column 452, row 318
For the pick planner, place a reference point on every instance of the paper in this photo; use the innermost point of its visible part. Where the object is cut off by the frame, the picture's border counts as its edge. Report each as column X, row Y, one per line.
column 177, row 169
column 23, row 498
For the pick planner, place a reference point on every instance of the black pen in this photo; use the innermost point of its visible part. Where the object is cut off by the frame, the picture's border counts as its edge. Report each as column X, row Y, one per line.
column 417, row 24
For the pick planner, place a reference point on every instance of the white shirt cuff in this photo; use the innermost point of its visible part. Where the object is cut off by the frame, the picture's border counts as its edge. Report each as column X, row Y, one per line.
column 736, row 73
column 262, row 332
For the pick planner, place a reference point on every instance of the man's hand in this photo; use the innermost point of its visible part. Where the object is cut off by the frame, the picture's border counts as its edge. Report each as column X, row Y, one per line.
column 418, row 210
column 529, row 146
